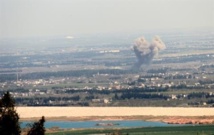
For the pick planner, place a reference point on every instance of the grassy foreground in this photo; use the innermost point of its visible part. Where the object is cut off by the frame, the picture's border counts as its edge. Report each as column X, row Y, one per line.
column 178, row 130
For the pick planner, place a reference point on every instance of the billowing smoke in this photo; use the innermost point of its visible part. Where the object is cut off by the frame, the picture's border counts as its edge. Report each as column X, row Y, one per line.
column 146, row 51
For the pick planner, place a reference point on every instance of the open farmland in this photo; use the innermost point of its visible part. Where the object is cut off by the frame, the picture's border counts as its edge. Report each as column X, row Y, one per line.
column 183, row 130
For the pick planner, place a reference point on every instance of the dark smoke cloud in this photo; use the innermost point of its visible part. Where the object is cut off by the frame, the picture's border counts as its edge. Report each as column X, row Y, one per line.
column 146, row 51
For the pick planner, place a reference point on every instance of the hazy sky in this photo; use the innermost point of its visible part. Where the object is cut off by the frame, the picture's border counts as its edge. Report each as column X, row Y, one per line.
column 27, row 18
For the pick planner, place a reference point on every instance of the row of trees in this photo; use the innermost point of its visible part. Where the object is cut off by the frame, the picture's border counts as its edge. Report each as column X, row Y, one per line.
column 133, row 95
column 74, row 73
column 9, row 119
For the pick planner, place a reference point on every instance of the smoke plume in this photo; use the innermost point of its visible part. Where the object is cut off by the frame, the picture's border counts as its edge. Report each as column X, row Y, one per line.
column 146, row 51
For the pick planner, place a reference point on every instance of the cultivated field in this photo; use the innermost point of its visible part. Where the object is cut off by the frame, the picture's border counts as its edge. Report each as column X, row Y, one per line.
column 33, row 112
column 176, row 130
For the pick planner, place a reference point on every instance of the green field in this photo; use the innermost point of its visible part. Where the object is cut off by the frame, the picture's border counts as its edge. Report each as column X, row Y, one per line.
column 178, row 130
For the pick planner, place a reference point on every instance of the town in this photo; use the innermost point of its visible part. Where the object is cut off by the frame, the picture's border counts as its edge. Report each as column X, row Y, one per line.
column 180, row 75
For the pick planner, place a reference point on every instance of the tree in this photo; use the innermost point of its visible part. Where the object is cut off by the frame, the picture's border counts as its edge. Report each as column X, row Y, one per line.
column 116, row 133
column 9, row 119
column 38, row 127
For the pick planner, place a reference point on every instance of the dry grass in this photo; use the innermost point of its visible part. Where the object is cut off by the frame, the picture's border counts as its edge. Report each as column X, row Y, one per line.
column 64, row 112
